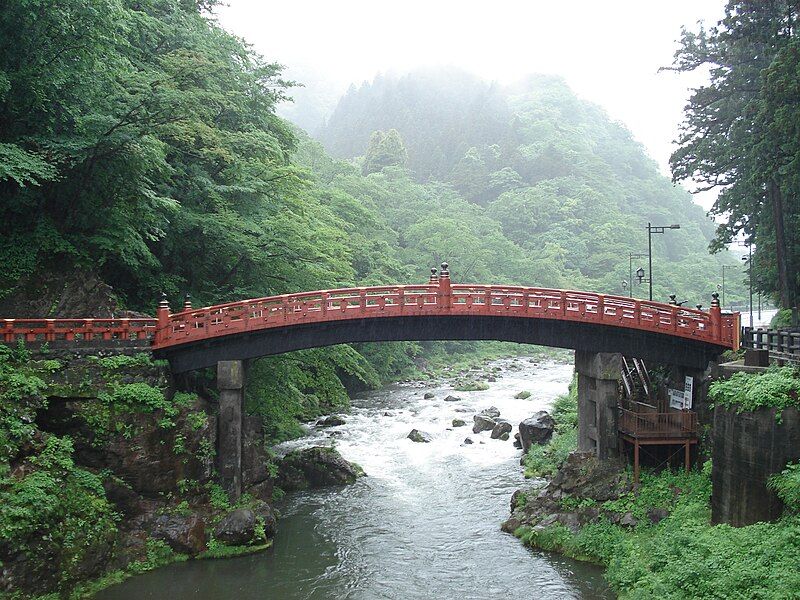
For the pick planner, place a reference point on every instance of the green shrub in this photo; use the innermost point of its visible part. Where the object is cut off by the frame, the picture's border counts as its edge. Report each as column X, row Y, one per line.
column 776, row 388
column 787, row 485
column 55, row 508
column 121, row 361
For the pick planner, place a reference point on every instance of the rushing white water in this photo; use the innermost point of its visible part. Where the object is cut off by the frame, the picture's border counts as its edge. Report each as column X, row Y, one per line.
column 423, row 524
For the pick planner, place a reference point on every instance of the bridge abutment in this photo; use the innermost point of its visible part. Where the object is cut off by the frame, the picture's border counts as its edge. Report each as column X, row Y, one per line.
column 230, row 383
column 598, row 388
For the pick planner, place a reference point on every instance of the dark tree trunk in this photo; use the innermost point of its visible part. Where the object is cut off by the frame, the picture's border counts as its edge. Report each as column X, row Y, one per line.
column 781, row 252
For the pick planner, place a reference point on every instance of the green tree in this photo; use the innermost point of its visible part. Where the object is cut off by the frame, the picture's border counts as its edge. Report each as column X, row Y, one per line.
column 740, row 130
column 384, row 150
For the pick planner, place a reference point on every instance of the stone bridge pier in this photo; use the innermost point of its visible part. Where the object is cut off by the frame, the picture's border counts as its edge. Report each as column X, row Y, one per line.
column 598, row 389
column 230, row 383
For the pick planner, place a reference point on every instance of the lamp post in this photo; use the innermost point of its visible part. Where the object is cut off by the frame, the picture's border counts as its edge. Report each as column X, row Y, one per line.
column 723, row 282
column 651, row 229
column 749, row 261
column 631, row 256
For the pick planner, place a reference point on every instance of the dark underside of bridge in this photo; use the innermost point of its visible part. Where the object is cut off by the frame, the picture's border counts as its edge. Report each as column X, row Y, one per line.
column 589, row 337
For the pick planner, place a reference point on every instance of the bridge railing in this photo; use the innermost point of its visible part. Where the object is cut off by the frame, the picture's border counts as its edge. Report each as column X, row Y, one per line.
column 438, row 297
column 76, row 330
column 442, row 298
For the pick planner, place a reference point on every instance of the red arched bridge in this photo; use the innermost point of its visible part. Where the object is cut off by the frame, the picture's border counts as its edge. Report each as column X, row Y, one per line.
column 198, row 338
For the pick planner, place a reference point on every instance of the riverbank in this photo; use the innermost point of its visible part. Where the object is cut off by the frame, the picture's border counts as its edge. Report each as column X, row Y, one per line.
column 658, row 542
column 426, row 512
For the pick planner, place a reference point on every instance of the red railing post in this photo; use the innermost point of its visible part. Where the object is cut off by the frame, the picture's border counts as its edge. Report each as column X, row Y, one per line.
column 715, row 314
column 444, row 297
column 162, row 321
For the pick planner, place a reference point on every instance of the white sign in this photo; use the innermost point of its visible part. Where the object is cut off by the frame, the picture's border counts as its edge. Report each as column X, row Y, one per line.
column 675, row 398
column 688, row 390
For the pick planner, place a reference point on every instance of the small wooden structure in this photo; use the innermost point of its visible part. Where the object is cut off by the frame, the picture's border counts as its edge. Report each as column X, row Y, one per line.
column 642, row 424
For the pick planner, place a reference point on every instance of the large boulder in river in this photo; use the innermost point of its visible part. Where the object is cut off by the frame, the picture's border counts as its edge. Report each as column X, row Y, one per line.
column 459, row 422
column 537, row 429
column 184, row 534
column 238, row 528
column 502, row 427
column 428, row 395
column 452, row 398
column 482, row 423
column 315, row 467
column 419, row 436
column 331, row 421
column 492, row 412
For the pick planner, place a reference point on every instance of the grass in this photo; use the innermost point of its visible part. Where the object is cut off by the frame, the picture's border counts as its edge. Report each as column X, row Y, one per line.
column 683, row 556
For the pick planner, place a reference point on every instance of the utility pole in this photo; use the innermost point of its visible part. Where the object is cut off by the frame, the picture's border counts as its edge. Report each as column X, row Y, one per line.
column 651, row 229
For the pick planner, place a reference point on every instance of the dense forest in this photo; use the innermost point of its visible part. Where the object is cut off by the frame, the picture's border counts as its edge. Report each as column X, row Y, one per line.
column 535, row 166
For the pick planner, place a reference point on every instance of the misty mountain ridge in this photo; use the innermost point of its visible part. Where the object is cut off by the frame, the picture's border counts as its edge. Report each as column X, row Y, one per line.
column 553, row 172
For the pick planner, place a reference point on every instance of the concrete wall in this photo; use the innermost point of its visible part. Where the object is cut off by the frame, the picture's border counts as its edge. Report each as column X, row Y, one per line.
column 748, row 448
column 598, row 388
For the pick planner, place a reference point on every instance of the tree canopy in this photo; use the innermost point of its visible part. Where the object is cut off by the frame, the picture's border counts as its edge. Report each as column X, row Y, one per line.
column 740, row 134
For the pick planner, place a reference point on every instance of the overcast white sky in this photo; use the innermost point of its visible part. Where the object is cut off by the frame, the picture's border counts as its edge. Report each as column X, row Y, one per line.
column 608, row 51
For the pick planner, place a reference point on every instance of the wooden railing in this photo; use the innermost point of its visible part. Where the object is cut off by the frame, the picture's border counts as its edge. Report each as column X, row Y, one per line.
column 444, row 299
column 76, row 330
column 436, row 298
column 676, row 424
column 783, row 345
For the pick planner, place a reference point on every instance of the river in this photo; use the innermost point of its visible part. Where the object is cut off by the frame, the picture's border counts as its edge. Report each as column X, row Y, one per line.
column 424, row 523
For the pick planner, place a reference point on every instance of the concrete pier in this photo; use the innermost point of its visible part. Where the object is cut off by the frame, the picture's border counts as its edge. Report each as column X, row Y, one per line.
column 598, row 388
column 230, row 382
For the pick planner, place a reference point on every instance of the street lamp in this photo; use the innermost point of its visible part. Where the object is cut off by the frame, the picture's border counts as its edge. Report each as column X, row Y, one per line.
column 631, row 256
column 651, row 229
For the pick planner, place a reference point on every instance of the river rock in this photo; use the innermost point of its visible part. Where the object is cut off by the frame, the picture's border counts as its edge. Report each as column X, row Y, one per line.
column 237, row 528
column 482, row 423
column 315, row 467
column 459, row 423
column 468, row 441
column 523, row 395
column 185, row 535
column 502, row 427
column 492, row 412
column 452, row 398
column 429, row 395
column 537, row 429
column 419, row 436
column 656, row 515
column 331, row 421
column 491, row 379
column 517, row 442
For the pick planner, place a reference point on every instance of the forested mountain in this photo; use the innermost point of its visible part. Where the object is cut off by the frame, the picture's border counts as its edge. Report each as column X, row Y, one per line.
column 546, row 171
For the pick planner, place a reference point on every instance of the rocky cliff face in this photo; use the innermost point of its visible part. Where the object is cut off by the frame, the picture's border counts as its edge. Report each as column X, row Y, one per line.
column 152, row 450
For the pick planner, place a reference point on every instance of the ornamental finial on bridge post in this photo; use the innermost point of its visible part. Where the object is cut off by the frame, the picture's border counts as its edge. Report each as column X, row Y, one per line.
column 434, row 277
column 162, row 317
column 187, row 302
column 715, row 300
column 444, row 272
column 673, row 299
